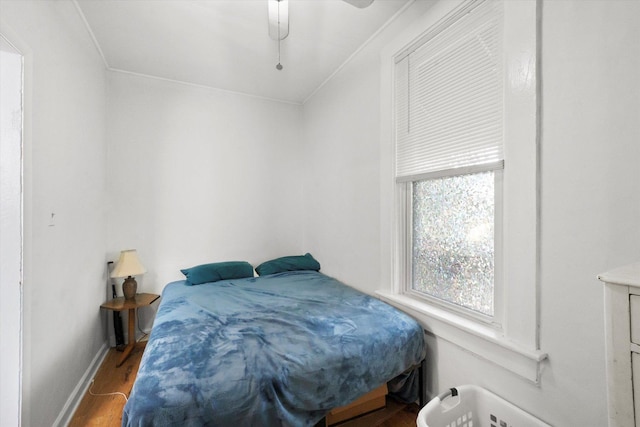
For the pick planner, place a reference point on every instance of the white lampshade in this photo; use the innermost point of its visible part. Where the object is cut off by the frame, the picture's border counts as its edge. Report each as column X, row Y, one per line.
column 128, row 265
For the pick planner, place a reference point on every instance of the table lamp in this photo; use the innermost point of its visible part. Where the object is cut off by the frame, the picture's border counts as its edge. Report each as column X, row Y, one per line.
column 128, row 265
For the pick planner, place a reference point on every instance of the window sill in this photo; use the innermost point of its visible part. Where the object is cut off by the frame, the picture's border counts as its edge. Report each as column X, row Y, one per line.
column 481, row 340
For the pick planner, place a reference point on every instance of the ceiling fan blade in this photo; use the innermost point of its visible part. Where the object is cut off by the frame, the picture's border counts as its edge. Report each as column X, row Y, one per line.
column 360, row 3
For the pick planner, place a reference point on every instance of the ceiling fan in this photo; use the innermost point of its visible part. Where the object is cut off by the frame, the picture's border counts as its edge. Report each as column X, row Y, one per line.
column 359, row 3
column 279, row 19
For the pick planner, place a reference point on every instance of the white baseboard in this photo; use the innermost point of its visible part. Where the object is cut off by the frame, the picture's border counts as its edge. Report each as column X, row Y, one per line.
column 64, row 418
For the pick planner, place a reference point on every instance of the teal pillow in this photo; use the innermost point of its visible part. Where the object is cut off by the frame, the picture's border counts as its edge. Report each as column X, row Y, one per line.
column 217, row 271
column 288, row 263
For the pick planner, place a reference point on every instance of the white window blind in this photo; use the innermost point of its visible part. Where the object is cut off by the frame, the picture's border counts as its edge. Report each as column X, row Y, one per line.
column 449, row 96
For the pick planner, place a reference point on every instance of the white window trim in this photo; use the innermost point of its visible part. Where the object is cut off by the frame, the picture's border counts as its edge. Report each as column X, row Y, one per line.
column 514, row 346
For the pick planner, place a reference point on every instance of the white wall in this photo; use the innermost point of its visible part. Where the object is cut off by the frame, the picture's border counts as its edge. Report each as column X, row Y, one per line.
column 342, row 197
column 590, row 197
column 198, row 175
column 590, row 188
column 64, row 175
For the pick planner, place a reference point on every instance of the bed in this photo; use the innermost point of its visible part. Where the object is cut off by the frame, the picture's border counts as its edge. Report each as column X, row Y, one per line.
column 280, row 349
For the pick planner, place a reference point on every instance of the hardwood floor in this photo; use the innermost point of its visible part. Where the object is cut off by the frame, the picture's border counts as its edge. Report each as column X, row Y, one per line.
column 100, row 410
column 394, row 415
column 106, row 411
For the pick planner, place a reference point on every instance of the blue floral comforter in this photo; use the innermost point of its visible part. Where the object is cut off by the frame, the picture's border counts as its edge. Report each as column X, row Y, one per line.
column 275, row 350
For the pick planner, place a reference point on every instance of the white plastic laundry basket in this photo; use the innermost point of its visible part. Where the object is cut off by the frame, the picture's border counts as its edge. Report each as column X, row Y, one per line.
column 472, row 406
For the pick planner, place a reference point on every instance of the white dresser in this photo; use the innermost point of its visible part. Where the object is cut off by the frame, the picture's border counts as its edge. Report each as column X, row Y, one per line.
column 622, row 338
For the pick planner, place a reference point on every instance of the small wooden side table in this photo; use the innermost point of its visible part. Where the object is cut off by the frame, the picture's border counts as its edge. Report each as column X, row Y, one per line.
column 119, row 304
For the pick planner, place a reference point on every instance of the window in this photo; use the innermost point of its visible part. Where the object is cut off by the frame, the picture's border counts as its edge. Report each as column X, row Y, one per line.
column 460, row 142
column 449, row 139
column 452, row 245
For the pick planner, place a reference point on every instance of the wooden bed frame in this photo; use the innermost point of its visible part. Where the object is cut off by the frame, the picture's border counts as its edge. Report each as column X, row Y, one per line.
column 372, row 401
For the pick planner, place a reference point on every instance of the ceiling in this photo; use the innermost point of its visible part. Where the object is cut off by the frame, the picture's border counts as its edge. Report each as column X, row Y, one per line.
column 225, row 44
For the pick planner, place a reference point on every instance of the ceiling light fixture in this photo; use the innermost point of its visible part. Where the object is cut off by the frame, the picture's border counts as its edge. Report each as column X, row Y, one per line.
column 278, row 22
column 360, row 3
